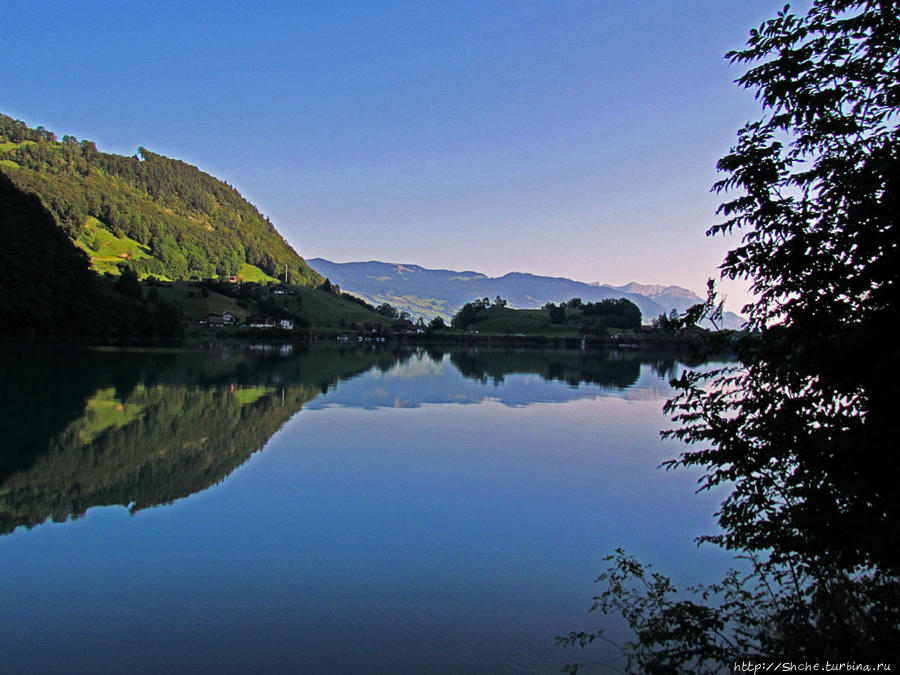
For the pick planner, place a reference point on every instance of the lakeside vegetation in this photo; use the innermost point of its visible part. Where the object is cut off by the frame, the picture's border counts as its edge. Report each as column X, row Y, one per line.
column 799, row 432
column 568, row 319
column 70, row 267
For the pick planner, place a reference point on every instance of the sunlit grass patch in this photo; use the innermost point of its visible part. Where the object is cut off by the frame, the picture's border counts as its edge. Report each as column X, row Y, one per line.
column 103, row 412
column 106, row 250
column 248, row 272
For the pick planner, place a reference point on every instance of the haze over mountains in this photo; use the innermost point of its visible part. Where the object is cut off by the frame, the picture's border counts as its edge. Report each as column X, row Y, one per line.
column 429, row 292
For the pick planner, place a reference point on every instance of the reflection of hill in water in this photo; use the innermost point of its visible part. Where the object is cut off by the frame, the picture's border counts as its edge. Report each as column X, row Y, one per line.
column 87, row 428
column 160, row 443
column 152, row 427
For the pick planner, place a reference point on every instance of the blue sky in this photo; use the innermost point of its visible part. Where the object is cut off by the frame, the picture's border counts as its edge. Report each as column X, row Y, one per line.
column 572, row 139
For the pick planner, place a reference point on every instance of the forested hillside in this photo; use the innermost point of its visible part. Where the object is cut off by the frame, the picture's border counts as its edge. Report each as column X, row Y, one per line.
column 165, row 217
column 47, row 287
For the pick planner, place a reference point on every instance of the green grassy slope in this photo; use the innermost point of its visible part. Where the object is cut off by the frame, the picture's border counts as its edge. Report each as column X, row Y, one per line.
column 248, row 272
column 47, row 287
column 185, row 222
column 329, row 311
column 107, row 251
column 322, row 310
column 506, row 321
column 503, row 320
column 194, row 305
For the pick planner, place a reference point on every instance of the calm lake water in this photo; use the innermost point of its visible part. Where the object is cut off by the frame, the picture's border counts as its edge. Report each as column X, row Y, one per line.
column 258, row 509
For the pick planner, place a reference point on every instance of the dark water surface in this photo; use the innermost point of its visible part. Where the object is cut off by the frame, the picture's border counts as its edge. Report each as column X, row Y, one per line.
column 259, row 509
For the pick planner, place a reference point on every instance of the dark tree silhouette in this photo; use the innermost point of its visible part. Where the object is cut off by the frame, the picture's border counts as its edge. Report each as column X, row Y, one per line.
column 803, row 430
column 817, row 198
column 128, row 284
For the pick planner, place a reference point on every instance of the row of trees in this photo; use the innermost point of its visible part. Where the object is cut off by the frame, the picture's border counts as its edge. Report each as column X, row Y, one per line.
column 609, row 313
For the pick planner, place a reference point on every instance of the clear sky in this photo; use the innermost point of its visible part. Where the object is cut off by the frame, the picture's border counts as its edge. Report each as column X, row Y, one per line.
column 573, row 139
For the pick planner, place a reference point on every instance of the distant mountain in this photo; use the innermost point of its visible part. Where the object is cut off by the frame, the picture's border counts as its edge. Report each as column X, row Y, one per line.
column 672, row 297
column 428, row 292
column 154, row 214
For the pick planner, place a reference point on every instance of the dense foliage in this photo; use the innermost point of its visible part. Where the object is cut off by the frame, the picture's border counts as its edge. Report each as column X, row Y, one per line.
column 619, row 313
column 805, row 428
column 191, row 224
column 47, row 287
column 557, row 313
column 468, row 313
column 802, row 431
column 591, row 316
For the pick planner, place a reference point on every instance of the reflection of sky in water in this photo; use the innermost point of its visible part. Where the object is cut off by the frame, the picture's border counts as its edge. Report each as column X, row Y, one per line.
column 422, row 380
column 364, row 538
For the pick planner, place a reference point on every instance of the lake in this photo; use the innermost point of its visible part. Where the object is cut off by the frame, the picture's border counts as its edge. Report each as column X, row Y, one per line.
column 270, row 508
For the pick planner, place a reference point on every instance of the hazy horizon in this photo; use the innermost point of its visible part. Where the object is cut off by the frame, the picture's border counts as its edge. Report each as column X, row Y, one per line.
column 492, row 276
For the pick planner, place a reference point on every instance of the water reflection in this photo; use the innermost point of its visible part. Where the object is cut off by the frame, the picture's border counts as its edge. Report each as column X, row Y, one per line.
column 142, row 428
column 426, row 511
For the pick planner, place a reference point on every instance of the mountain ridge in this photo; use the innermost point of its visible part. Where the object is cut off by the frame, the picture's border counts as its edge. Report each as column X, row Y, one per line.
column 652, row 290
column 441, row 292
